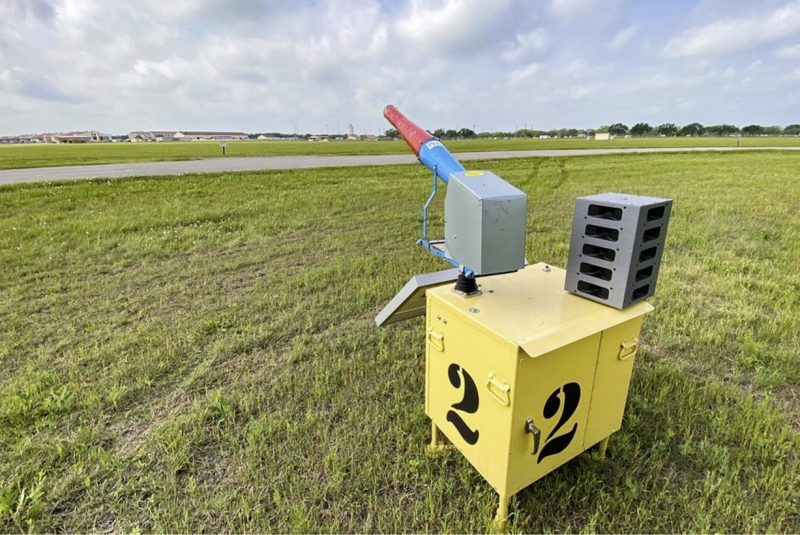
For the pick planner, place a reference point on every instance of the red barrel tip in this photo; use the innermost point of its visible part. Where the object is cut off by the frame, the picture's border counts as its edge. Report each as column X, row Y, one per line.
column 413, row 135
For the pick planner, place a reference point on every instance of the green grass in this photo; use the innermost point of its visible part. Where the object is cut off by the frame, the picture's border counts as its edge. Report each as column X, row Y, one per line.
column 23, row 156
column 198, row 354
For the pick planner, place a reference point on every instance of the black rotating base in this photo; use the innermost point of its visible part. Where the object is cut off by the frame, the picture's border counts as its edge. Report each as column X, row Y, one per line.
column 466, row 285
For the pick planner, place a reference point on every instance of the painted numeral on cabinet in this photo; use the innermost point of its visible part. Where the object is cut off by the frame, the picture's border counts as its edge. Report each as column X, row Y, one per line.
column 469, row 403
column 565, row 398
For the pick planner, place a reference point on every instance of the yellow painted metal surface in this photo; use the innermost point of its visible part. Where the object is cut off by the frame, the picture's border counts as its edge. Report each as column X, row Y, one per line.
column 526, row 376
column 617, row 351
column 560, row 381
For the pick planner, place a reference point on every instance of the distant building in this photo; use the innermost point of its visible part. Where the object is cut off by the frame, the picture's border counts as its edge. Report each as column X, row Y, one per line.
column 184, row 135
column 153, row 135
column 275, row 136
column 82, row 136
column 189, row 135
column 602, row 135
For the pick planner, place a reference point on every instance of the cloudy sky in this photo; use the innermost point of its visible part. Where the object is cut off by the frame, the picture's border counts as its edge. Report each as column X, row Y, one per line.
column 317, row 66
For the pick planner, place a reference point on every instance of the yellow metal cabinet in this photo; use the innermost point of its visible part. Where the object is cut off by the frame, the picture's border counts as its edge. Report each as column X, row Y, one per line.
column 526, row 376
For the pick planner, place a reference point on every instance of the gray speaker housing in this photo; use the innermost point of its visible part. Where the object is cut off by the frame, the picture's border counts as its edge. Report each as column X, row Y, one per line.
column 616, row 247
column 485, row 222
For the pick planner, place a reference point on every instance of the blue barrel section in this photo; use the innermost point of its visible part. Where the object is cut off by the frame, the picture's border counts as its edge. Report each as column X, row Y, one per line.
column 430, row 151
column 435, row 156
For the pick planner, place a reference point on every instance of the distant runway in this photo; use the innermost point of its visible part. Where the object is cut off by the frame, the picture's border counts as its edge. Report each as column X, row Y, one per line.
column 259, row 163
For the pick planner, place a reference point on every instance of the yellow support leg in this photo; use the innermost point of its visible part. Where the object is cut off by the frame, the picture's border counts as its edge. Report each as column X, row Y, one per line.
column 434, row 436
column 501, row 518
column 436, row 446
column 602, row 448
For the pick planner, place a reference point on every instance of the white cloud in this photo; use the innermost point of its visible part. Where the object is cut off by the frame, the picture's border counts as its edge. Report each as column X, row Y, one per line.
column 263, row 65
column 526, row 45
column 523, row 75
column 622, row 38
column 578, row 69
column 585, row 90
column 456, row 27
column 789, row 52
column 573, row 8
column 171, row 68
column 646, row 83
column 734, row 34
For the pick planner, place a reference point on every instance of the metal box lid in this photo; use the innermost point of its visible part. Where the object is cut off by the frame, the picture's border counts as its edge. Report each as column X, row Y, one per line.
column 625, row 199
column 410, row 301
column 530, row 308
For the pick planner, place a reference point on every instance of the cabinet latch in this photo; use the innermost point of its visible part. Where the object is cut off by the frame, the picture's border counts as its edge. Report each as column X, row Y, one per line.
column 531, row 428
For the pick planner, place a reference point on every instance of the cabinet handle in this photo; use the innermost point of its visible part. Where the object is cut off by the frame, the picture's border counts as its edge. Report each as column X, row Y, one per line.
column 628, row 348
column 436, row 340
column 499, row 390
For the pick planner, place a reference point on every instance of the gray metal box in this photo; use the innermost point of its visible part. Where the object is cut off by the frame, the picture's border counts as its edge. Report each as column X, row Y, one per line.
column 485, row 222
column 616, row 247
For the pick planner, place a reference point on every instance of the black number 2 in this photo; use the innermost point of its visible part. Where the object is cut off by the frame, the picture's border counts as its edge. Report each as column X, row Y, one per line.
column 553, row 444
column 468, row 404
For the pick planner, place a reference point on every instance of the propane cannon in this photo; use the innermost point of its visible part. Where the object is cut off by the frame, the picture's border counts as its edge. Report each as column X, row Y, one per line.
column 485, row 216
column 531, row 368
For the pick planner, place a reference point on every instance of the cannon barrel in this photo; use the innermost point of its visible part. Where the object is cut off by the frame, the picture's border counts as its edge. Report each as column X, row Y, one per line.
column 430, row 151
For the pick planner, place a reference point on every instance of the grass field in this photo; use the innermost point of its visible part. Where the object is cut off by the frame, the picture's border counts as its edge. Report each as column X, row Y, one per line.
column 198, row 354
column 20, row 156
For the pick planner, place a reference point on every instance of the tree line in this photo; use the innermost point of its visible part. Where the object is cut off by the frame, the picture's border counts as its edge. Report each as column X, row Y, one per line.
column 620, row 129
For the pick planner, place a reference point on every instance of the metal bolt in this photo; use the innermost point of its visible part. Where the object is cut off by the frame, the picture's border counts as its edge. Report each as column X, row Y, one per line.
column 474, row 310
column 546, row 268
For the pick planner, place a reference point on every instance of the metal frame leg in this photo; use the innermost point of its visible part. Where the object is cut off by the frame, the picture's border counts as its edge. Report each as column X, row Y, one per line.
column 436, row 446
column 602, row 447
column 501, row 518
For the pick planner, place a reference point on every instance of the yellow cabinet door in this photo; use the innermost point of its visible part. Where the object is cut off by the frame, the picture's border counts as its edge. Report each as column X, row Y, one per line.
column 618, row 348
column 551, row 408
column 468, row 389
